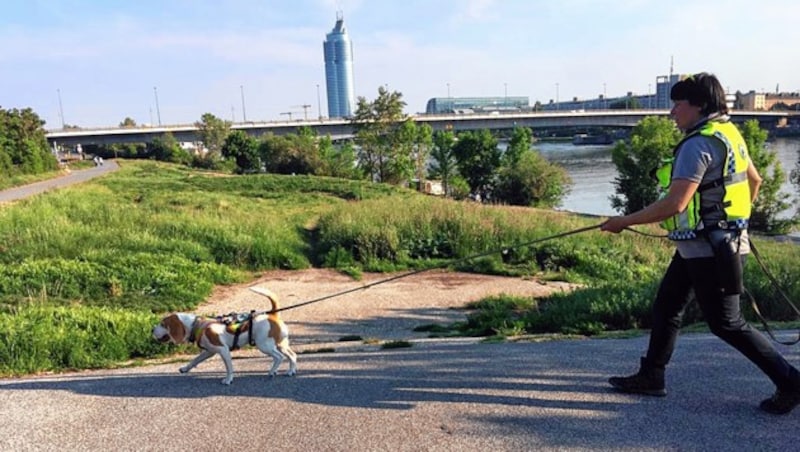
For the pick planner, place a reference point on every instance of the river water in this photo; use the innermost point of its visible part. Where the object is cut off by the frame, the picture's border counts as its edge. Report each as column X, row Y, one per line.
column 593, row 173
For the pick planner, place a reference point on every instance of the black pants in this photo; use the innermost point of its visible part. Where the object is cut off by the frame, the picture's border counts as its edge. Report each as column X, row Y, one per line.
column 721, row 312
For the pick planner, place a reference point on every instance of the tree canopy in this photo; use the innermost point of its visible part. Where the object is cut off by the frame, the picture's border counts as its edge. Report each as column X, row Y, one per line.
column 652, row 140
column 23, row 143
column 379, row 133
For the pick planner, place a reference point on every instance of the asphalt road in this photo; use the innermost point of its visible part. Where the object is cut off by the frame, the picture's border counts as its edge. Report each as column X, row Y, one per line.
column 74, row 177
column 448, row 395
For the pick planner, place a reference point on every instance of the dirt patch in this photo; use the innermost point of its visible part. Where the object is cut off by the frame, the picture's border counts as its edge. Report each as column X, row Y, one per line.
column 387, row 311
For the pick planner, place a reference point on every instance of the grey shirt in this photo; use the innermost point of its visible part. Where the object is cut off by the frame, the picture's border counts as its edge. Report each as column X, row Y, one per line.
column 700, row 159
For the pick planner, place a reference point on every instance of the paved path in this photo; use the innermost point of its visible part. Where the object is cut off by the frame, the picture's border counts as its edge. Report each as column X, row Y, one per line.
column 449, row 395
column 74, row 177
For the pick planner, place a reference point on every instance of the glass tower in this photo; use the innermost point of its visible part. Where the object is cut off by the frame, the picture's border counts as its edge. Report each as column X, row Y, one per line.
column 339, row 71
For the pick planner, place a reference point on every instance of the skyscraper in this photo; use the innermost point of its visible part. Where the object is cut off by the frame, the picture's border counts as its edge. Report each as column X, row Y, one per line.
column 339, row 71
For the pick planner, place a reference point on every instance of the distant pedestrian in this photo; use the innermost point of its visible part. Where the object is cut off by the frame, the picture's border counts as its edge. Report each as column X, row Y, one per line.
column 708, row 189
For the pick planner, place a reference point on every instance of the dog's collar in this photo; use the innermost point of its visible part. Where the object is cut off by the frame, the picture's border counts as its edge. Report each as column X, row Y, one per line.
column 195, row 329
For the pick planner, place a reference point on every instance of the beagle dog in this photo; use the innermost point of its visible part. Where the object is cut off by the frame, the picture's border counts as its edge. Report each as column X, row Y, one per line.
column 264, row 330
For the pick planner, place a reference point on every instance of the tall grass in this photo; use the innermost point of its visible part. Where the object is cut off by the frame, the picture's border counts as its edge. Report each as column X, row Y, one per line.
column 391, row 233
column 38, row 337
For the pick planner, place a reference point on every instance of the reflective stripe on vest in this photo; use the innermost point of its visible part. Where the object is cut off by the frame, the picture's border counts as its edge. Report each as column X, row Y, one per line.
column 736, row 201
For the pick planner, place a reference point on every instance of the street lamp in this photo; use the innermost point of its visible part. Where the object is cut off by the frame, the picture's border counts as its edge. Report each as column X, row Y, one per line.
column 505, row 94
column 244, row 112
column 158, row 110
column 319, row 104
column 605, row 99
column 61, row 109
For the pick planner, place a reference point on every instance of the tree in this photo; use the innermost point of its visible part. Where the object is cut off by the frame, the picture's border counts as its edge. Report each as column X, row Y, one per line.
column 652, row 140
column 167, row 149
column 23, row 143
column 127, row 122
column 769, row 202
column 338, row 161
column 213, row 131
column 376, row 125
column 521, row 140
column 478, row 158
column 422, row 152
column 243, row 149
column 443, row 165
column 290, row 154
column 532, row 181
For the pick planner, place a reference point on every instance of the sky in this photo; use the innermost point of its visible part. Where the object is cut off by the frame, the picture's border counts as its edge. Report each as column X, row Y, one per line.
column 102, row 61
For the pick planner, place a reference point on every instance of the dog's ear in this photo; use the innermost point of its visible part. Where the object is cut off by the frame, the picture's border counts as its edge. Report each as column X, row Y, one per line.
column 175, row 328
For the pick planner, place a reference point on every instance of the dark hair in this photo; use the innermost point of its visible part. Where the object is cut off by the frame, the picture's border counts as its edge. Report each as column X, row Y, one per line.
column 701, row 90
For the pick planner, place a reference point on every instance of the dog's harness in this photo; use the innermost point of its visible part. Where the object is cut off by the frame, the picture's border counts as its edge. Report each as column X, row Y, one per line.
column 235, row 323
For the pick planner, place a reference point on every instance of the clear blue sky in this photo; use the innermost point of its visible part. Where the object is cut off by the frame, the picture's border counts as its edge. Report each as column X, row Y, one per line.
column 106, row 57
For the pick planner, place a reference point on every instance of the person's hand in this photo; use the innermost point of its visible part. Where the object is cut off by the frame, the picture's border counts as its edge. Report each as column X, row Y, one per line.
column 614, row 224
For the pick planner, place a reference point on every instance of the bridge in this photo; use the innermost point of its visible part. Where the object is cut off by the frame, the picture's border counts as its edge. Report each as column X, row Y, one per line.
column 339, row 129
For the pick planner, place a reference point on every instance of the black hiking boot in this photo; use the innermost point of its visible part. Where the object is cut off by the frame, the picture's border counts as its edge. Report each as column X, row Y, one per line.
column 782, row 402
column 648, row 381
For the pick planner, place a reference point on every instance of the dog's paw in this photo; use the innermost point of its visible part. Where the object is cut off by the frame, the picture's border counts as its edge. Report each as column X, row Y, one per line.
column 227, row 381
column 184, row 369
column 291, row 373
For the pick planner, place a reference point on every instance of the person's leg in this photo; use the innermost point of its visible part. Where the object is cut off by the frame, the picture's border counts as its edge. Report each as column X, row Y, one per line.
column 674, row 293
column 667, row 313
column 723, row 315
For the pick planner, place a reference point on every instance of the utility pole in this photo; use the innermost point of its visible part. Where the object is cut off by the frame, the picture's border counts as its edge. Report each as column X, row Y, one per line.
column 289, row 113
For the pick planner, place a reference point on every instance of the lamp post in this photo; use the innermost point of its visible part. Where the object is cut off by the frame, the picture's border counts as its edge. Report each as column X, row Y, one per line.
column 505, row 94
column 649, row 98
column 61, row 109
column 605, row 99
column 244, row 112
column 158, row 110
column 319, row 104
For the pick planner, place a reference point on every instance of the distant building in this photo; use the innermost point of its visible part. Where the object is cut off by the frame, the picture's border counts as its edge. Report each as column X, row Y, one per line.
column 339, row 71
column 439, row 105
column 767, row 101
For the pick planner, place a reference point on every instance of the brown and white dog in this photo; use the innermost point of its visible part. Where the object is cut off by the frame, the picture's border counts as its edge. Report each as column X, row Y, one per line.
column 267, row 331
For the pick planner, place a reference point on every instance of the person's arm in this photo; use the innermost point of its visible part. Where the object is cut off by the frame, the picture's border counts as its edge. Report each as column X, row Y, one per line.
column 677, row 199
column 753, row 180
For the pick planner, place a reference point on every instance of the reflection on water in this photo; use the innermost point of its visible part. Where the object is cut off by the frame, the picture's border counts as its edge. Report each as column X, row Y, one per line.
column 593, row 173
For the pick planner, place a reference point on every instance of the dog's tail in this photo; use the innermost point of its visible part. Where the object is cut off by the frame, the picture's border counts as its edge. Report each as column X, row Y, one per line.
column 273, row 299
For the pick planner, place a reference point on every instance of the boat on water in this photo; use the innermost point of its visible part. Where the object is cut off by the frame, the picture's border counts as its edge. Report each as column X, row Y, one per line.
column 585, row 138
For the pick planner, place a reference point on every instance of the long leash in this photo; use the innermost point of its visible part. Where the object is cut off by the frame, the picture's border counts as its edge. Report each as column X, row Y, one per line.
column 446, row 264
column 750, row 297
column 777, row 287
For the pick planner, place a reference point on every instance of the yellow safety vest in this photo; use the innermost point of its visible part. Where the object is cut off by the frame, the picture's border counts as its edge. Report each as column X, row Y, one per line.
column 736, row 201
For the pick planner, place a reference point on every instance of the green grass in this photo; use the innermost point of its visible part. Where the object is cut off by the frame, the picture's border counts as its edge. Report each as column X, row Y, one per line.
column 78, row 263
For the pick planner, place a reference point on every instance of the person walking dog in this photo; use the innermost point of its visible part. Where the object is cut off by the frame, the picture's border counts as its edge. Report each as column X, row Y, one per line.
column 708, row 188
